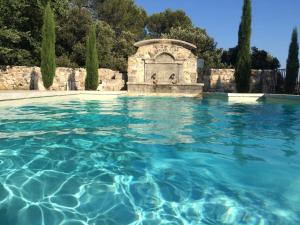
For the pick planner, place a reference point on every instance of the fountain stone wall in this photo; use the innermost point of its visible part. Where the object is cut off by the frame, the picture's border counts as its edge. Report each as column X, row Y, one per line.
column 163, row 66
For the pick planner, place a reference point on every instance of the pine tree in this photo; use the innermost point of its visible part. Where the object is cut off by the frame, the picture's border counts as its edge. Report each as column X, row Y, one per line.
column 92, row 64
column 292, row 66
column 48, row 57
column 243, row 64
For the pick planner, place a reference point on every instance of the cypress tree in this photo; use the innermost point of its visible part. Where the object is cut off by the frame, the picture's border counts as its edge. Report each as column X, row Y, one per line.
column 92, row 63
column 292, row 66
column 243, row 64
column 48, row 48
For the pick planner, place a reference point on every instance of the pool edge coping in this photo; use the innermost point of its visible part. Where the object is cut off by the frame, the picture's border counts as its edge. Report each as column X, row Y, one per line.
column 23, row 95
column 239, row 97
column 251, row 96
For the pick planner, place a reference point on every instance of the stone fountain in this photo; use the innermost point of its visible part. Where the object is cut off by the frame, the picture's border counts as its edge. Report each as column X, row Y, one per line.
column 163, row 66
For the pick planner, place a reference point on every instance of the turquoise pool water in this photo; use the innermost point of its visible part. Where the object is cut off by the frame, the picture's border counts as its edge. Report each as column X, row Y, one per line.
column 149, row 161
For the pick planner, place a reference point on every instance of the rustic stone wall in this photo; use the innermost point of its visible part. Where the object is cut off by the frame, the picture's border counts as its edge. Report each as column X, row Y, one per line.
column 16, row 78
column 111, row 80
column 222, row 80
column 30, row 78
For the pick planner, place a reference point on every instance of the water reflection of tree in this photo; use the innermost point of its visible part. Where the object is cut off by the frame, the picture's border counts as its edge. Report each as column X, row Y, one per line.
column 165, row 119
column 124, row 108
column 289, row 115
column 204, row 119
column 239, row 123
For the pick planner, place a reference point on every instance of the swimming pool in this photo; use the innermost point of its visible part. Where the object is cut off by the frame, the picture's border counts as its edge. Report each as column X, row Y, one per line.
column 149, row 161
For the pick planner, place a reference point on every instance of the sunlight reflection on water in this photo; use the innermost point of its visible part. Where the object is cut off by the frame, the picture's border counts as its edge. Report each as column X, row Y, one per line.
column 149, row 161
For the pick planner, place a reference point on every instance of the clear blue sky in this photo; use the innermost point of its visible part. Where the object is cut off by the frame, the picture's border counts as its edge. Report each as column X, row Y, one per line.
column 273, row 20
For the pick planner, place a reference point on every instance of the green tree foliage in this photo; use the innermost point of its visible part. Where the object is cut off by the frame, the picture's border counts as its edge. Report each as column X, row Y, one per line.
column 17, row 42
column 243, row 64
column 105, row 43
column 292, row 66
column 206, row 46
column 122, row 15
column 120, row 23
column 20, row 29
column 229, row 57
column 162, row 23
column 11, row 50
column 48, row 57
column 92, row 64
column 124, row 47
column 114, row 45
column 113, row 48
column 260, row 59
column 71, row 37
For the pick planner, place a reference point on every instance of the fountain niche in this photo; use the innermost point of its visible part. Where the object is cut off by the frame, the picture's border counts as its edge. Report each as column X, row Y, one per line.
column 163, row 66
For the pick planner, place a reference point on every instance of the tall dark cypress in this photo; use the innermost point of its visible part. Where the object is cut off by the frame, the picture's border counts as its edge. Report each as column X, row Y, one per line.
column 292, row 65
column 48, row 57
column 243, row 64
column 92, row 63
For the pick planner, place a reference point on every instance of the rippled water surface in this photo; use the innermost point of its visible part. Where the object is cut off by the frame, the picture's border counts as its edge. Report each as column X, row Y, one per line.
column 149, row 161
